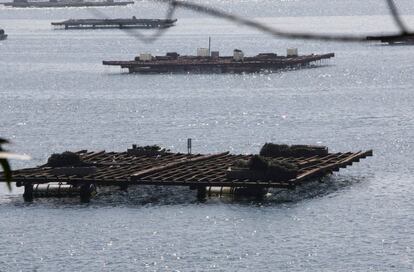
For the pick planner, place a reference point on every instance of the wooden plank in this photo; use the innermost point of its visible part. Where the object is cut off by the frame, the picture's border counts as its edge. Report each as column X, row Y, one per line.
column 93, row 155
column 138, row 175
column 328, row 167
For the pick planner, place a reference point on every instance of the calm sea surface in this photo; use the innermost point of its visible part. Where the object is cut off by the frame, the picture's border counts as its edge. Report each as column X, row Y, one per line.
column 55, row 95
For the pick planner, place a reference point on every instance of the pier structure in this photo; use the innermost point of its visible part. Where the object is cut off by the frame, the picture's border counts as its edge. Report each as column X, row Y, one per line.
column 64, row 3
column 114, row 23
column 212, row 62
column 197, row 171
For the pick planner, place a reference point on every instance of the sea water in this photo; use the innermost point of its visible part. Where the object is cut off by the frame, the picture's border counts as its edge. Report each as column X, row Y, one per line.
column 55, row 95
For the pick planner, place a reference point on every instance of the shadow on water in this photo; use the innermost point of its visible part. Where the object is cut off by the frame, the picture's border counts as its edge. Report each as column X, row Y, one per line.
column 327, row 186
column 123, row 72
column 148, row 196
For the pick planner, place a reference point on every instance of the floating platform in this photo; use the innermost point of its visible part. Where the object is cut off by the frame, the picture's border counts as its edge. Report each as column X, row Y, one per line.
column 64, row 3
column 196, row 171
column 3, row 35
column 206, row 62
column 115, row 23
column 407, row 39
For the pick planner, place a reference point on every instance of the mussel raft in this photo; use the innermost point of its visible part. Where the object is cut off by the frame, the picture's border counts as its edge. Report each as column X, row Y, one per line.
column 115, row 23
column 64, row 3
column 406, row 39
column 277, row 166
column 207, row 61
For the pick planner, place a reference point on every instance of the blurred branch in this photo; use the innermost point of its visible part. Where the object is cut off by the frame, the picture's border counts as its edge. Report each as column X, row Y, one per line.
column 397, row 18
column 136, row 33
column 4, row 163
column 257, row 25
column 13, row 156
column 212, row 11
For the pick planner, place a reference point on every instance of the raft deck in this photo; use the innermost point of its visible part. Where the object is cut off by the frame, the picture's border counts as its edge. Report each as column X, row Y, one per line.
column 115, row 23
column 165, row 64
column 176, row 169
column 62, row 4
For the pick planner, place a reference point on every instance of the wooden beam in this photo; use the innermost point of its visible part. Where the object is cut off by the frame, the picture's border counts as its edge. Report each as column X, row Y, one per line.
column 136, row 176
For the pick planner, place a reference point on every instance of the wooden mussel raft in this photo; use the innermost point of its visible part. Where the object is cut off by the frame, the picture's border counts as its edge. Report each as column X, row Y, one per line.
column 114, row 23
column 64, row 3
column 277, row 166
column 407, row 39
column 211, row 62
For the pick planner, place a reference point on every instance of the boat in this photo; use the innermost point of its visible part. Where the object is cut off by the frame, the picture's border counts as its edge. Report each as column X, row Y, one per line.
column 211, row 62
column 64, row 3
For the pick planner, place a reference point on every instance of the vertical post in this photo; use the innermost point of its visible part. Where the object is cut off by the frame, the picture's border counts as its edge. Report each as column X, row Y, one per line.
column 123, row 186
column 260, row 193
column 86, row 191
column 189, row 146
column 209, row 46
column 28, row 192
column 201, row 193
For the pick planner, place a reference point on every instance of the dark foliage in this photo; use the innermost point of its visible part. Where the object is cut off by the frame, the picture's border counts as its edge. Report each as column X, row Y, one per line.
column 241, row 164
column 173, row 5
column 268, row 168
column 282, row 150
column 281, row 170
column 258, row 163
column 65, row 159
